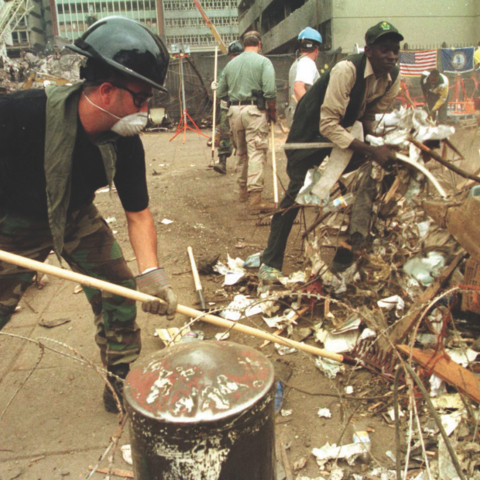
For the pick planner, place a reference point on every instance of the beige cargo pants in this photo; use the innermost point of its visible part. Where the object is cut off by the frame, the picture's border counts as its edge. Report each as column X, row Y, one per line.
column 249, row 127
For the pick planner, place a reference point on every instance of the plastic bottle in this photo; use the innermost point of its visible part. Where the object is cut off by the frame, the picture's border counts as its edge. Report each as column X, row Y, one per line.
column 339, row 203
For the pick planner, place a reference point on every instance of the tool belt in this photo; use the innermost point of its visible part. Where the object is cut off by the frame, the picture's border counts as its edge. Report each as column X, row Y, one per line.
column 243, row 102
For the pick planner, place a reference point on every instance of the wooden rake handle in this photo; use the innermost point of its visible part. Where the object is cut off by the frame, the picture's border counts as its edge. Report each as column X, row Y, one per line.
column 143, row 297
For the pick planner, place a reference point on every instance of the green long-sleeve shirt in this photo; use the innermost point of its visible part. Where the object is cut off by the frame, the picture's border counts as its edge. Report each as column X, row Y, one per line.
column 249, row 71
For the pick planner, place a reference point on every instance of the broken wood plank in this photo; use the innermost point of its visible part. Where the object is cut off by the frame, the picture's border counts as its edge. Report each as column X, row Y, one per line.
column 114, row 471
column 403, row 327
column 286, row 462
column 449, row 371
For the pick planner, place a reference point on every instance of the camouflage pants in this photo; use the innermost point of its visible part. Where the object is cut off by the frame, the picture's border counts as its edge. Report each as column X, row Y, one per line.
column 91, row 249
column 249, row 128
column 225, row 145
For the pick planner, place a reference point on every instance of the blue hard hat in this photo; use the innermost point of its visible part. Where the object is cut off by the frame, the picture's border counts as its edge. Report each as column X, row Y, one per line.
column 310, row 34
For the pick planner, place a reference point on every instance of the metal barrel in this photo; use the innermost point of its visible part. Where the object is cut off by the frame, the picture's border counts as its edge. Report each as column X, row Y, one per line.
column 202, row 411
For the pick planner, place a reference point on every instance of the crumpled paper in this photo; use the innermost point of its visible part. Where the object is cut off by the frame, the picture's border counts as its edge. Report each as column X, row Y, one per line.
column 348, row 452
column 240, row 306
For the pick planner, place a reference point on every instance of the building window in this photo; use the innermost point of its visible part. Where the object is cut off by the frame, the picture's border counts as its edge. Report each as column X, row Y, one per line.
column 172, row 5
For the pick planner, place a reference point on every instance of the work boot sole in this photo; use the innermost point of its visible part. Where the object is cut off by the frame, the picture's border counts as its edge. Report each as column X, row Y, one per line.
column 258, row 209
column 219, row 168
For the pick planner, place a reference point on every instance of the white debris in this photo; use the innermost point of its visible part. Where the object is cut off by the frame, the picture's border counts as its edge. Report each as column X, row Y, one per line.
column 349, row 390
column 394, row 301
column 437, row 386
column 329, row 367
column 241, row 306
column 448, row 400
column 461, row 356
column 324, row 413
column 391, row 414
column 222, row 336
column 452, row 421
column 233, row 272
column 344, row 342
column 284, row 350
column 235, row 265
column 286, row 319
column 293, row 278
column 286, row 413
column 127, row 453
column 328, row 452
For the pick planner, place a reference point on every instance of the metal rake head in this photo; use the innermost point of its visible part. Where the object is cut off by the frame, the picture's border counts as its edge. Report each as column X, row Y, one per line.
column 373, row 357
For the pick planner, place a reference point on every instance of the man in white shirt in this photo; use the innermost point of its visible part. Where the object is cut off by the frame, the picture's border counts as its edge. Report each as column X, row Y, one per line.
column 303, row 72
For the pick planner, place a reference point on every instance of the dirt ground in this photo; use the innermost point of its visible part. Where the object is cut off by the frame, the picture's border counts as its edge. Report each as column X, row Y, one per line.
column 52, row 421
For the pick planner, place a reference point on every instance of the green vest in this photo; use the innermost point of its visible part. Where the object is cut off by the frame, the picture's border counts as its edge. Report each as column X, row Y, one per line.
column 60, row 137
column 306, row 122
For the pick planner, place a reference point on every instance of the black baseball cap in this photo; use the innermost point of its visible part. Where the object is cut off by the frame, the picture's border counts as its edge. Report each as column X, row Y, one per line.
column 379, row 30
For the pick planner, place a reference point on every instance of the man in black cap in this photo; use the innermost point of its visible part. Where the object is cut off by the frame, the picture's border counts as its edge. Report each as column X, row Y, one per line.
column 355, row 89
column 59, row 146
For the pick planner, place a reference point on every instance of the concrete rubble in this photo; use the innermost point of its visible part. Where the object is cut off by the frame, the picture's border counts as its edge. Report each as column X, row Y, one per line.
column 33, row 71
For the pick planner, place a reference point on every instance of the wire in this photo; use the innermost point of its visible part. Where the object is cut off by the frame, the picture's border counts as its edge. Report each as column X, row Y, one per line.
column 322, row 394
column 438, row 421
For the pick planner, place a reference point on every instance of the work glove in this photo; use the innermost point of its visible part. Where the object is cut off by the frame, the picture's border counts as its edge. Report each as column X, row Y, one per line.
column 156, row 283
column 272, row 111
column 214, row 85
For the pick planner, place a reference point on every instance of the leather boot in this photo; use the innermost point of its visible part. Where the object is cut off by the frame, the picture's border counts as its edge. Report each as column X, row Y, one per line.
column 243, row 193
column 256, row 205
column 221, row 166
column 121, row 370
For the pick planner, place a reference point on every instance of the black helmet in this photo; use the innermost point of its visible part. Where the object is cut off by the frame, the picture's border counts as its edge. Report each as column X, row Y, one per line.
column 235, row 48
column 128, row 47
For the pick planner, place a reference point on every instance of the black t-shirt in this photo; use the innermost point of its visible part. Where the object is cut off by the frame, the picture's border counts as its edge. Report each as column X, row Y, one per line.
column 22, row 173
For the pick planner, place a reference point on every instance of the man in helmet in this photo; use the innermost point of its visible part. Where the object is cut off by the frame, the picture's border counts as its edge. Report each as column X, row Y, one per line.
column 303, row 72
column 225, row 146
column 59, row 146
column 354, row 90
column 249, row 82
column 435, row 91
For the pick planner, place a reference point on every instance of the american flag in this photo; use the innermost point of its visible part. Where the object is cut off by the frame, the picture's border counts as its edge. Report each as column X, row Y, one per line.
column 413, row 64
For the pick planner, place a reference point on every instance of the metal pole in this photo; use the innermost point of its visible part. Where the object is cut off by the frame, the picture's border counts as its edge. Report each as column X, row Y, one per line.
column 183, row 100
column 214, row 104
column 274, row 164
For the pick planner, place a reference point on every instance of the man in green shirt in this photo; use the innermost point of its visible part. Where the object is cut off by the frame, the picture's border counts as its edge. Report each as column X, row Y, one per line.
column 225, row 146
column 242, row 80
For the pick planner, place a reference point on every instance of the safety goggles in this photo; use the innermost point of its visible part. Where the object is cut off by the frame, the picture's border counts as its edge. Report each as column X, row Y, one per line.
column 139, row 98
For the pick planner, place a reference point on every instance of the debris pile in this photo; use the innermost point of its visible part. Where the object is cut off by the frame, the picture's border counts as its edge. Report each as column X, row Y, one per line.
column 397, row 295
column 32, row 71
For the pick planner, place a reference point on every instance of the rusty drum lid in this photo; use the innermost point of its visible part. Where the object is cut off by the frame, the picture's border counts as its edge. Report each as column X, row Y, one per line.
column 198, row 382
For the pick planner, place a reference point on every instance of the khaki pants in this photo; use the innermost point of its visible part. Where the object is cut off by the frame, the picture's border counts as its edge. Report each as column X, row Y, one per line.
column 249, row 127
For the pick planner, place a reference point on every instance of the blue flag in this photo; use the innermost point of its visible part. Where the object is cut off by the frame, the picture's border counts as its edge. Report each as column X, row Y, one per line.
column 457, row 60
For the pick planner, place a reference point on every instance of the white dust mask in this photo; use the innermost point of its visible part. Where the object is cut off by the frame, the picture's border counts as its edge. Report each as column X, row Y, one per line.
column 127, row 126
column 131, row 124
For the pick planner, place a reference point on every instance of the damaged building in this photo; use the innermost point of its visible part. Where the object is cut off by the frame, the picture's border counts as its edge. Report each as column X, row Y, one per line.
column 343, row 23
column 25, row 26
